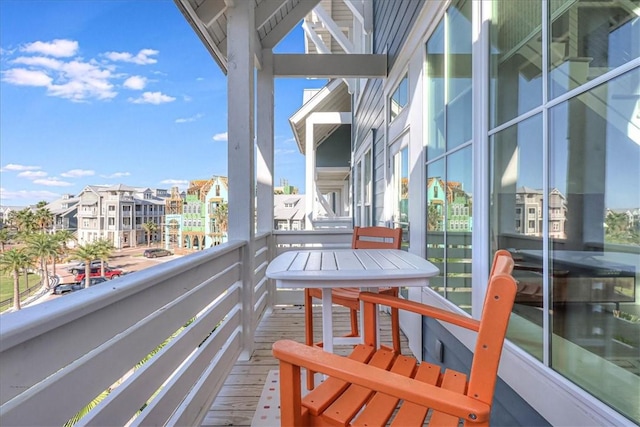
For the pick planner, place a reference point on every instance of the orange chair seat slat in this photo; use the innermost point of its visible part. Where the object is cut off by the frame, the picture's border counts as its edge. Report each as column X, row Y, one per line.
column 323, row 395
column 454, row 381
column 411, row 414
column 381, row 406
column 347, row 405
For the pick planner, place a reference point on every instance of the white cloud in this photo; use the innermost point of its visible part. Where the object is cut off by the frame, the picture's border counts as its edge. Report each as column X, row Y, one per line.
column 14, row 167
column 52, row 182
column 190, row 119
column 75, row 173
column 178, row 182
column 59, row 48
column 24, row 77
column 186, row 98
column 135, row 83
column 27, row 195
column 152, row 98
column 39, row 61
column 220, row 136
column 142, row 57
column 282, row 151
column 32, row 174
column 116, row 175
column 74, row 80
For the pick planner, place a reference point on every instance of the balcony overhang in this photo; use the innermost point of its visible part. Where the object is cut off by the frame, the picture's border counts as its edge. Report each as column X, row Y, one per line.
column 332, row 98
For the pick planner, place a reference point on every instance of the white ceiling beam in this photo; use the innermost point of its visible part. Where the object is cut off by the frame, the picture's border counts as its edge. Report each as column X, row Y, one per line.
column 357, row 8
column 332, row 27
column 265, row 10
column 292, row 18
column 315, row 38
column 210, row 10
column 330, row 66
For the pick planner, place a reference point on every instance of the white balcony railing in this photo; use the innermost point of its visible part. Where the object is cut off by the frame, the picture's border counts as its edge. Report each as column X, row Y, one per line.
column 197, row 313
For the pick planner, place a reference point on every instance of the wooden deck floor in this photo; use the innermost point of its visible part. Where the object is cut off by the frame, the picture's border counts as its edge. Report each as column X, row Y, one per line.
column 237, row 401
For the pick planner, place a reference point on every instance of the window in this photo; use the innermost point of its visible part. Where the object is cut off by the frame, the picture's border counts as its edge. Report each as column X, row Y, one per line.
column 400, row 176
column 112, row 221
column 112, row 208
column 449, row 154
column 126, row 221
column 399, row 98
column 573, row 315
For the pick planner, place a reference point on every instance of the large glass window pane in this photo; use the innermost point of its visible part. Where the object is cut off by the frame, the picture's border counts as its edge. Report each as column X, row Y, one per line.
column 436, row 191
column 399, row 98
column 515, row 222
column 458, row 231
column 435, row 119
column 400, row 178
column 595, row 262
column 516, row 58
column 459, row 73
column 589, row 38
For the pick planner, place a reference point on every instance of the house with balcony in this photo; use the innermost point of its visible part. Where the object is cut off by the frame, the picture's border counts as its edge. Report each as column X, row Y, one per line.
column 117, row 213
column 494, row 96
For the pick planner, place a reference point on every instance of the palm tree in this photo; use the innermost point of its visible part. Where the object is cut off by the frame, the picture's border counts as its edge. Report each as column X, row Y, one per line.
column 42, row 246
column 43, row 218
column 150, row 227
column 25, row 221
column 5, row 237
column 221, row 216
column 104, row 248
column 88, row 253
column 12, row 261
column 64, row 237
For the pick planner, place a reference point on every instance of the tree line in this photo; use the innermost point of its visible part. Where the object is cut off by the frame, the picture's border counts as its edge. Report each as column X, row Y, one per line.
column 35, row 246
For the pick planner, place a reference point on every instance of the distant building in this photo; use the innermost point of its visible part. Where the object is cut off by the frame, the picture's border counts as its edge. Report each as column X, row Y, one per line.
column 5, row 211
column 118, row 212
column 288, row 212
column 529, row 213
column 457, row 209
column 191, row 221
column 64, row 212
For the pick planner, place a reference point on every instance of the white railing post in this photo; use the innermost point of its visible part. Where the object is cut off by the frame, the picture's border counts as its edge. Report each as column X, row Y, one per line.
column 240, row 93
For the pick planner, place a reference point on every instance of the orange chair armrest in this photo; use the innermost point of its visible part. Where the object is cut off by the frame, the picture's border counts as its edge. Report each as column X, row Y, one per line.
column 423, row 309
column 377, row 379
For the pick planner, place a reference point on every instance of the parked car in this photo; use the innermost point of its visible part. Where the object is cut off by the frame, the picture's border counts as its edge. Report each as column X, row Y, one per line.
column 65, row 288
column 109, row 273
column 79, row 267
column 156, row 252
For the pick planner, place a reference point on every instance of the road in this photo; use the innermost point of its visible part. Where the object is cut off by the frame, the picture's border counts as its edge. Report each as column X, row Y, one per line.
column 127, row 260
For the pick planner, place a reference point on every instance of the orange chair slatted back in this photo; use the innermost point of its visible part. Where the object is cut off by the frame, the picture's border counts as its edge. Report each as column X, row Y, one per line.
column 376, row 238
column 493, row 329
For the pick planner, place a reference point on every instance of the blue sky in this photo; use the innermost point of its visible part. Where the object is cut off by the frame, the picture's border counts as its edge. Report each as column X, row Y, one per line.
column 109, row 92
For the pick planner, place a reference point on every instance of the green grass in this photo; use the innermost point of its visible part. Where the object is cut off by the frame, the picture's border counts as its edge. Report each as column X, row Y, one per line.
column 6, row 284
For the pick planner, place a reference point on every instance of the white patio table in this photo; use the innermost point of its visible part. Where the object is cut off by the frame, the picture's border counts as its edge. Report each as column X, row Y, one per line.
column 367, row 269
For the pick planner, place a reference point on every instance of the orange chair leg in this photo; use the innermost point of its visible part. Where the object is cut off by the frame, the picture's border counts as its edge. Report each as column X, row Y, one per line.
column 308, row 322
column 354, row 323
column 395, row 329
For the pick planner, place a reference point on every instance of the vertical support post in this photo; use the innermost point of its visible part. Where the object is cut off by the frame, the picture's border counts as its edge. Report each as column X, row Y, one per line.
column 265, row 132
column 241, row 170
column 310, row 174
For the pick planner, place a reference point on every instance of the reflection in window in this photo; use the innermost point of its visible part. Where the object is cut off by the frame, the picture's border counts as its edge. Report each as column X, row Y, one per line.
column 516, row 58
column 400, row 176
column 588, row 39
column 399, row 99
column 516, row 187
column 595, row 261
column 449, row 171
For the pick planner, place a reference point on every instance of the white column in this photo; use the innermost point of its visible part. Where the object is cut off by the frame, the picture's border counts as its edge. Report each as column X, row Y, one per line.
column 264, row 139
column 264, row 109
column 310, row 174
column 240, row 101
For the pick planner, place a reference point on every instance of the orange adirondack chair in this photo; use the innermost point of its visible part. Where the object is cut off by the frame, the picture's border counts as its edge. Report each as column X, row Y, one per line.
column 363, row 238
column 365, row 388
